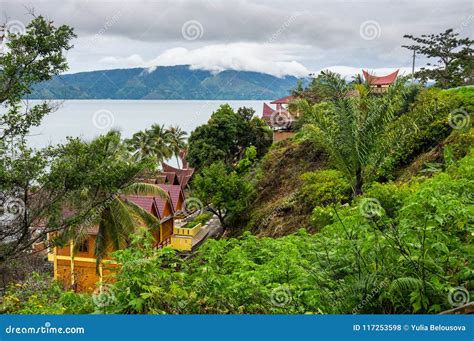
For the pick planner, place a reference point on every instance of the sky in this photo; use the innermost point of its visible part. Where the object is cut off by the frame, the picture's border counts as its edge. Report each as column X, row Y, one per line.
column 276, row 37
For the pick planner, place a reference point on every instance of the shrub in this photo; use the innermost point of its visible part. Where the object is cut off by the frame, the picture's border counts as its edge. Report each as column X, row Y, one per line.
column 39, row 294
column 324, row 187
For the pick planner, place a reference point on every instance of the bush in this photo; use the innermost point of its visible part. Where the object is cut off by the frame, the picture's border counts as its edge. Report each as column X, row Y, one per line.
column 39, row 294
column 324, row 187
column 322, row 216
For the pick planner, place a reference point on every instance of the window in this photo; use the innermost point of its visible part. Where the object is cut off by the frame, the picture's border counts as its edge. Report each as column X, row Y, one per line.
column 84, row 247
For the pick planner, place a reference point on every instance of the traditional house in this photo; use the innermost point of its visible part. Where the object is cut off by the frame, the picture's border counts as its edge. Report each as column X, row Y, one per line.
column 77, row 270
column 183, row 175
column 379, row 84
column 279, row 118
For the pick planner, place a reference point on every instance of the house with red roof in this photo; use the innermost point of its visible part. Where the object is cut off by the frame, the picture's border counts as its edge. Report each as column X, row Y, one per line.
column 380, row 84
column 279, row 118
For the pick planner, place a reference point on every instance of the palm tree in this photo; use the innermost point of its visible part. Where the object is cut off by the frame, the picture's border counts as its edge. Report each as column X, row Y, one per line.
column 160, row 142
column 355, row 129
column 103, row 202
column 177, row 141
column 122, row 217
column 140, row 145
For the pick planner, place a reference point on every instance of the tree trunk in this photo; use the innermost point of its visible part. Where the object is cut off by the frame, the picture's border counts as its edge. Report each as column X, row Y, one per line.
column 358, row 181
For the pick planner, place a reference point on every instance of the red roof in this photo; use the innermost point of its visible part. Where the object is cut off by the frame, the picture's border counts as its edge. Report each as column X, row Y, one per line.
column 283, row 100
column 383, row 80
column 174, row 191
column 267, row 112
column 153, row 205
column 183, row 175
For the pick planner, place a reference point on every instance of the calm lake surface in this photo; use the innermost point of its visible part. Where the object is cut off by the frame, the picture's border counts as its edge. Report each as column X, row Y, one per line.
column 90, row 118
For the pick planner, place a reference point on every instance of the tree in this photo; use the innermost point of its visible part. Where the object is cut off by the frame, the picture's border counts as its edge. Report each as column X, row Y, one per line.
column 29, row 58
column 157, row 143
column 355, row 129
column 226, row 193
column 99, row 175
column 141, row 145
column 177, row 141
column 226, row 136
column 454, row 65
column 160, row 142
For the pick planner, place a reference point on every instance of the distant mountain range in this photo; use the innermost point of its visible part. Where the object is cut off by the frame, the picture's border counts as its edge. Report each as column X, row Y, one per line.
column 165, row 82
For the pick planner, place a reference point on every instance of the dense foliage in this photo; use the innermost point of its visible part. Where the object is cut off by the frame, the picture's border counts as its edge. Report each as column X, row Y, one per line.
column 226, row 136
column 399, row 250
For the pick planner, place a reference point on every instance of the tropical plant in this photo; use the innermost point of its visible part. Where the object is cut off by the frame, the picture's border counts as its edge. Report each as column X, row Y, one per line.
column 176, row 140
column 100, row 198
column 141, row 145
column 160, row 138
column 354, row 129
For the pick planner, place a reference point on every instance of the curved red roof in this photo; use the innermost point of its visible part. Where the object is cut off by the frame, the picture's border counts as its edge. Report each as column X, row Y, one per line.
column 382, row 80
column 267, row 112
column 283, row 100
column 183, row 175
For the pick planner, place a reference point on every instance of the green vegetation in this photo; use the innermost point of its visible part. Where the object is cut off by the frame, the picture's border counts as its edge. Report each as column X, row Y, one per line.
column 371, row 199
column 226, row 193
column 454, row 63
column 203, row 218
column 226, row 136
column 400, row 256
column 157, row 143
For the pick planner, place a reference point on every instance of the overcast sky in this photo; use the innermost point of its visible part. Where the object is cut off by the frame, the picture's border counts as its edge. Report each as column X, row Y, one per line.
column 276, row 37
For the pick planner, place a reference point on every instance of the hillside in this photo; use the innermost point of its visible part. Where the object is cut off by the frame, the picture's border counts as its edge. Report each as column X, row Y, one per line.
column 281, row 207
column 170, row 82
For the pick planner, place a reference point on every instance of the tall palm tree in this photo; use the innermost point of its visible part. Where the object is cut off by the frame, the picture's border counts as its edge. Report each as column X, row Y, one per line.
column 355, row 129
column 160, row 142
column 177, row 141
column 140, row 145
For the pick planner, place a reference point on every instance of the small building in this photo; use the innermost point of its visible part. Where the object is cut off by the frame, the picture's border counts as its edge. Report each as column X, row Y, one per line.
column 280, row 119
column 379, row 84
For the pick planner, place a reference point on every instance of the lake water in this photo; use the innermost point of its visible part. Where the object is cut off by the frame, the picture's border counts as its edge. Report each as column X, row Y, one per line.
column 90, row 118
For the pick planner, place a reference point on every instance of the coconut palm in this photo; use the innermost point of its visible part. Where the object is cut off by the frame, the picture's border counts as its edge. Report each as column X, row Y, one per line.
column 140, row 145
column 122, row 217
column 102, row 199
column 160, row 138
column 177, row 140
column 354, row 129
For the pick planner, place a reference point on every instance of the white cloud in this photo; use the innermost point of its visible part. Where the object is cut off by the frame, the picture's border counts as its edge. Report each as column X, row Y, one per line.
column 266, row 58
column 131, row 61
